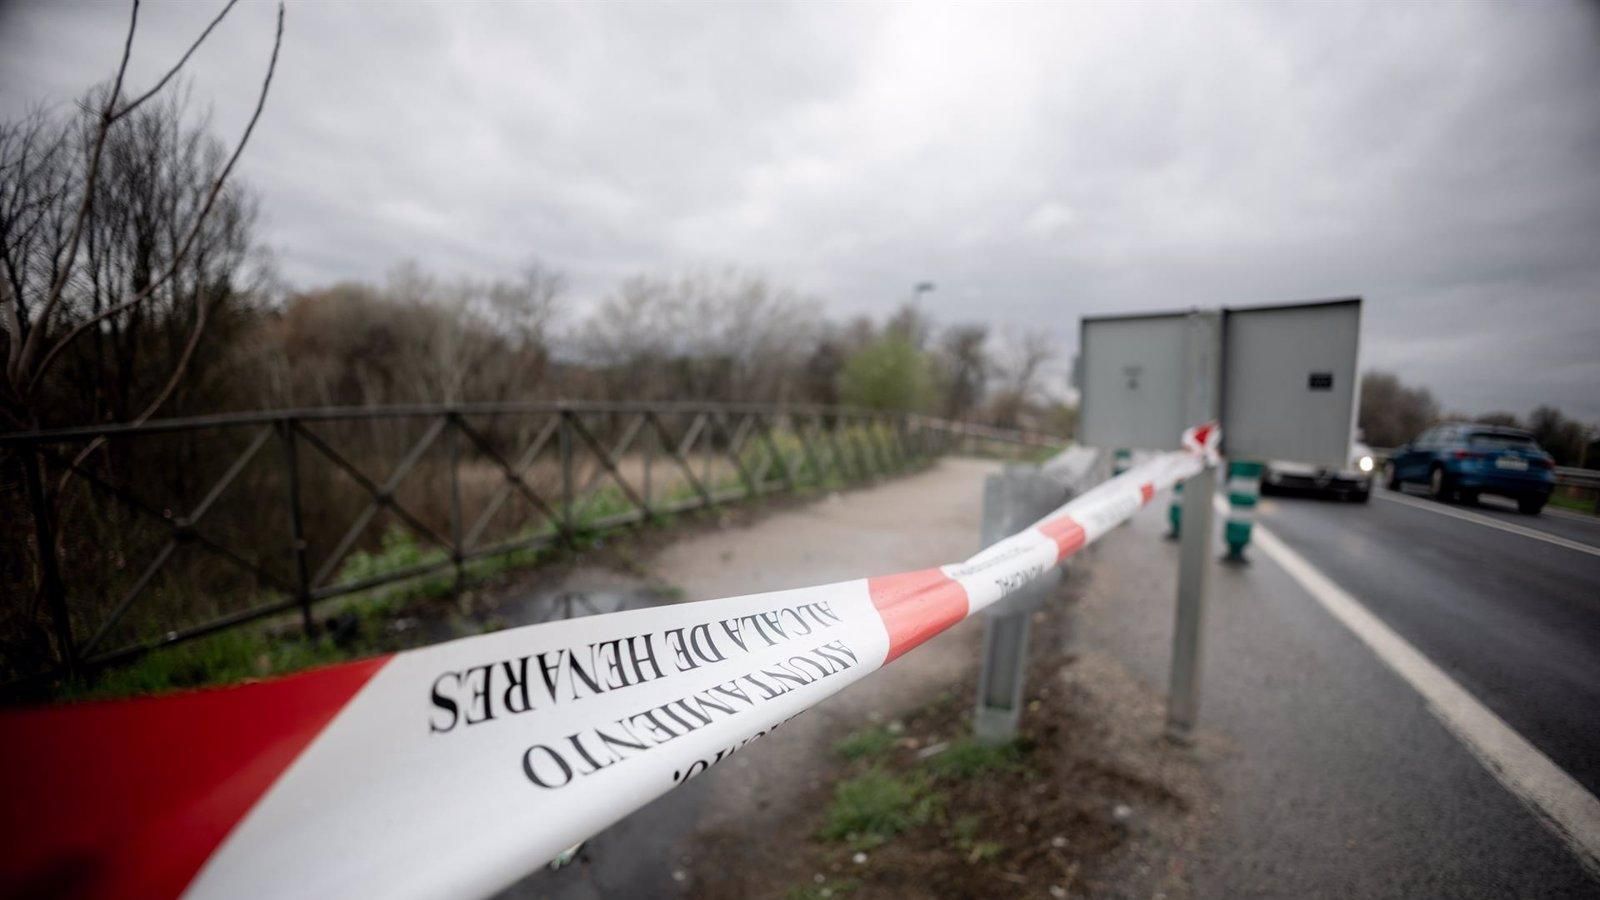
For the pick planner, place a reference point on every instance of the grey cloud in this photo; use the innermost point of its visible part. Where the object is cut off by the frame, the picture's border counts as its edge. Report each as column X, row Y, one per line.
column 1038, row 162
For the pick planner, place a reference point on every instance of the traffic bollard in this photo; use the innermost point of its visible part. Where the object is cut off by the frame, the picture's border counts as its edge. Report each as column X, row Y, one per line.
column 1244, row 490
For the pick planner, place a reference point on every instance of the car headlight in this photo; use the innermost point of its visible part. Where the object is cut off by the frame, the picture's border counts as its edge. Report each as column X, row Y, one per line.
column 1365, row 464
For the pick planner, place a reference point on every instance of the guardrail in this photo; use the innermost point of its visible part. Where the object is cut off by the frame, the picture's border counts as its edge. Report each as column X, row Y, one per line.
column 456, row 483
column 1572, row 476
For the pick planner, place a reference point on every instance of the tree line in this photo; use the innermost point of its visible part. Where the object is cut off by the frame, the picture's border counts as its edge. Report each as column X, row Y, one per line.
column 1393, row 412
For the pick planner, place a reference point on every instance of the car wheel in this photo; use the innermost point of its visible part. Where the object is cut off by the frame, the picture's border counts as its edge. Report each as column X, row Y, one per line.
column 1391, row 477
column 1530, row 506
column 1438, row 484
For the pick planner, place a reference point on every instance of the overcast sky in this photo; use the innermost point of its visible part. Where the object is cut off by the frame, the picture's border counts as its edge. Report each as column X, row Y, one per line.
column 1037, row 162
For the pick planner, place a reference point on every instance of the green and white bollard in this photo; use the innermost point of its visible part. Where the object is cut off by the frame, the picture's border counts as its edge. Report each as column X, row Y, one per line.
column 1121, row 460
column 1175, row 512
column 1244, row 490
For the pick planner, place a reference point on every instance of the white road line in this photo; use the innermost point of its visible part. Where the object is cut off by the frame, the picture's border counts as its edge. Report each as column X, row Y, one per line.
column 1589, row 518
column 1558, row 800
column 1464, row 515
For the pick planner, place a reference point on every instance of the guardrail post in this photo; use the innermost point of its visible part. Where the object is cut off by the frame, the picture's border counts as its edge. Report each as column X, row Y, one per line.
column 1012, row 500
column 55, row 593
column 297, row 534
column 1183, row 694
column 1202, row 370
column 1244, row 490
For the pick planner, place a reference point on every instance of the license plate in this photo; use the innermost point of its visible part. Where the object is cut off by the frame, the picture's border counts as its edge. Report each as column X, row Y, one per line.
column 1511, row 464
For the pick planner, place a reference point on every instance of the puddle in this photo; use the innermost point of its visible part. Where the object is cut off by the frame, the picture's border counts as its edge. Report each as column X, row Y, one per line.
column 586, row 592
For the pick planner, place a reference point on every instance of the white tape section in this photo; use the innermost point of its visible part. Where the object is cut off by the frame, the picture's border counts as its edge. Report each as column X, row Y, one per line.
column 454, row 770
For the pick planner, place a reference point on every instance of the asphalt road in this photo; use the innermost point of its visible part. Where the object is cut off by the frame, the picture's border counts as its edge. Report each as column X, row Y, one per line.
column 1513, row 618
column 1335, row 778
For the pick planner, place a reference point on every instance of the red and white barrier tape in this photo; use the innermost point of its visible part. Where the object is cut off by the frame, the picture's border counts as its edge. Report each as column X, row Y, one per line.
column 453, row 770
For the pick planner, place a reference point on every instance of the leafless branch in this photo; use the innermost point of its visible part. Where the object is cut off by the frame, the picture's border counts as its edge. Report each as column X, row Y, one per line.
column 24, row 351
column 178, row 258
column 124, row 111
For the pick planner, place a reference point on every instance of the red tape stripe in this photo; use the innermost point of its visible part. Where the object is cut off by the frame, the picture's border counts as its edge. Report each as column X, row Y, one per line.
column 131, row 798
column 1067, row 534
column 916, row 606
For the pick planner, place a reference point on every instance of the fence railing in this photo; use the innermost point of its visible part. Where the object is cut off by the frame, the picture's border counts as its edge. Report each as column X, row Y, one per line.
column 153, row 534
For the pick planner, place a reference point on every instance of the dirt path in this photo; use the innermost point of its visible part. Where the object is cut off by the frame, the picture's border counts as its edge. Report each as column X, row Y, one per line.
column 748, row 828
column 927, row 519
column 924, row 519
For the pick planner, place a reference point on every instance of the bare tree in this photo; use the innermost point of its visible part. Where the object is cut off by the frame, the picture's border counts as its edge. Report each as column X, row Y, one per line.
column 1391, row 412
column 963, row 369
column 1023, row 355
column 722, row 336
column 67, row 276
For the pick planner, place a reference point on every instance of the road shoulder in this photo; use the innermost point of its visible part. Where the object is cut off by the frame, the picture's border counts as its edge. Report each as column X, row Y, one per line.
column 1337, row 780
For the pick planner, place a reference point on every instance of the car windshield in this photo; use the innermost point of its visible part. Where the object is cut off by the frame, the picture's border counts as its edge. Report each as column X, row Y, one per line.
column 1491, row 441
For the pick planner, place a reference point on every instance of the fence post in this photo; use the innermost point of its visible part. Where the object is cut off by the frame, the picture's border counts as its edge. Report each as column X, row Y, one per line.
column 1018, row 496
column 452, row 437
column 297, row 533
column 55, row 593
column 1244, row 490
column 650, row 439
column 564, row 440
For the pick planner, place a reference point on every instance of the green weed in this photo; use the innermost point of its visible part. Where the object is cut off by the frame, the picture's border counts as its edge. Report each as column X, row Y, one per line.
column 866, row 744
column 873, row 807
column 968, row 757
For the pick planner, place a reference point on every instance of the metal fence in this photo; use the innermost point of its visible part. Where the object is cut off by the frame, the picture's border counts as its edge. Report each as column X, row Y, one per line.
column 236, row 490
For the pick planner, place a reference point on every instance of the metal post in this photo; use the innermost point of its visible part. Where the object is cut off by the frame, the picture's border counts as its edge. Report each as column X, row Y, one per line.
column 1183, row 700
column 297, row 533
column 1202, row 379
column 1244, row 490
column 55, row 593
column 1013, row 499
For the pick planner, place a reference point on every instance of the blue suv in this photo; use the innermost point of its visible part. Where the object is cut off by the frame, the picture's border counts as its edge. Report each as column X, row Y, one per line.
column 1462, row 461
